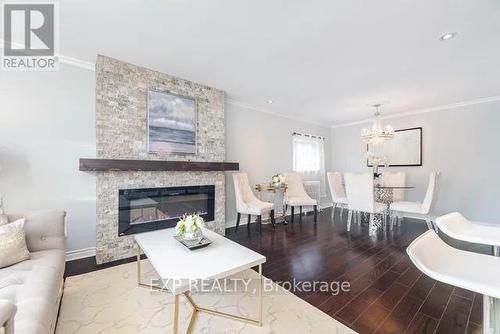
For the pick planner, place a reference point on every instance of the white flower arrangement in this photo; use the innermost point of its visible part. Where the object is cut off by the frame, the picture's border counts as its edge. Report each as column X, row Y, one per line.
column 277, row 180
column 189, row 224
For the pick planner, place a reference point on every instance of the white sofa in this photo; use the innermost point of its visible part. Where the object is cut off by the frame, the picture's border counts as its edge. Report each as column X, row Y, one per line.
column 30, row 291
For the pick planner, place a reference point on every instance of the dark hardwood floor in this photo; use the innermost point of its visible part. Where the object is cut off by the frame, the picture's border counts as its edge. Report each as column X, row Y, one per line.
column 388, row 293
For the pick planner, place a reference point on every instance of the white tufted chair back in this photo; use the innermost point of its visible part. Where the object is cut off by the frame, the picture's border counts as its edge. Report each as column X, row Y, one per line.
column 359, row 189
column 395, row 179
column 335, row 183
column 243, row 191
column 295, row 185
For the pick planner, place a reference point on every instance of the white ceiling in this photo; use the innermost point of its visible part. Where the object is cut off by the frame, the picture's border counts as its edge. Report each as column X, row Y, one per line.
column 322, row 61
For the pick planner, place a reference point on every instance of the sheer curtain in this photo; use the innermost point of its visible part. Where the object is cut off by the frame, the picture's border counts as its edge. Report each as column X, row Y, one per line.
column 309, row 159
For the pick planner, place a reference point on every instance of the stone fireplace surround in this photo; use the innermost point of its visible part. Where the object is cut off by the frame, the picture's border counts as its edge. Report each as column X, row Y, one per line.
column 121, row 120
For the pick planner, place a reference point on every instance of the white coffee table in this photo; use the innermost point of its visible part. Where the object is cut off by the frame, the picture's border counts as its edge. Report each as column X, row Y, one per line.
column 177, row 266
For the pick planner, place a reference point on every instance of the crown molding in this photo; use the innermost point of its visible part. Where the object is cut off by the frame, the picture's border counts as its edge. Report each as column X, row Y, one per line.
column 90, row 66
column 76, row 62
column 64, row 59
column 251, row 107
column 424, row 110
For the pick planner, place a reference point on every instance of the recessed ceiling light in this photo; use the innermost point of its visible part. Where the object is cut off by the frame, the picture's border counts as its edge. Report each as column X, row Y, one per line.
column 448, row 36
column 270, row 101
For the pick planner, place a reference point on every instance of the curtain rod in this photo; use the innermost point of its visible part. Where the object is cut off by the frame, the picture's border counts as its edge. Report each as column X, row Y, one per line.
column 306, row 135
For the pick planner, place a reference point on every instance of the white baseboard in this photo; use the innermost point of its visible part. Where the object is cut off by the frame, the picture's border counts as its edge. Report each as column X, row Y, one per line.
column 80, row 253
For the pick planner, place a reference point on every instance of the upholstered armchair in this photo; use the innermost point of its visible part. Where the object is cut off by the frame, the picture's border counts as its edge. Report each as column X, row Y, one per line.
column 248, row 204
column 296, row 195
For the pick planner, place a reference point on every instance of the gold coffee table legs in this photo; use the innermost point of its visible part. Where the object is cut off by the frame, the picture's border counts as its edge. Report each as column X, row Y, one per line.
column 196, row 307
column 176, row 314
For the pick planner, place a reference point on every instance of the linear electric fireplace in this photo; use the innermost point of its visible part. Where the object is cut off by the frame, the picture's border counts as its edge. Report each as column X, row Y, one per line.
column 143, row 210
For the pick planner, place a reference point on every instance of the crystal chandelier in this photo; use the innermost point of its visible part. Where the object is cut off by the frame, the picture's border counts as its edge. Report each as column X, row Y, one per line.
column 376, row 135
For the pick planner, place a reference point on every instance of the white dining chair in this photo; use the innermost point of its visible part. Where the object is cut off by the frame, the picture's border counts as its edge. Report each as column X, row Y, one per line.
column 296, row 195
column 472, row 271
column 418, row 210
column 313, row 189
column 361, row 198
column 337, row 191
column 460, row 228
column 248, row 204
column 395, row 179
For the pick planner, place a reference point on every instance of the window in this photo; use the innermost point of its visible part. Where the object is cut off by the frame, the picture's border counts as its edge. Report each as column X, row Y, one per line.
column 306, row 154
column 308, row 158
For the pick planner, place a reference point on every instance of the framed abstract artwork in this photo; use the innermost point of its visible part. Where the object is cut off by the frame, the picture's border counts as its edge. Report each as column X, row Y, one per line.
column 172, row 122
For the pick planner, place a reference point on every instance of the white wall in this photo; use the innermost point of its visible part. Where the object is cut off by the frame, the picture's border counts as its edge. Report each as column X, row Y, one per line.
column 46, row 124
column 462, row 143
column 262, row 144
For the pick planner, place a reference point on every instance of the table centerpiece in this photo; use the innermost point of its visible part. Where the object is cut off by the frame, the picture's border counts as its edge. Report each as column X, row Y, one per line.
column 278, row 180
column 189, row 228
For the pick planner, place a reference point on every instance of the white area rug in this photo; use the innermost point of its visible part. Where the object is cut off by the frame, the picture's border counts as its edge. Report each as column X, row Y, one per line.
column 109, row 301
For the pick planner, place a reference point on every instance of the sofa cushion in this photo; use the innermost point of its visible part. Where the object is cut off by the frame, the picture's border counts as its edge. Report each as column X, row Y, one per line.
column 33, row 286
column 44, row 229
column 13, row 247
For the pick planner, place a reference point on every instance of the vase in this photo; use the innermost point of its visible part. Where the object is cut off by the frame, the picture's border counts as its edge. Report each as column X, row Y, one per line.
column 193, row 237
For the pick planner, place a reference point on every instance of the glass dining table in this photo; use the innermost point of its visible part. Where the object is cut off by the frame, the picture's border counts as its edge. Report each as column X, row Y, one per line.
column 277, row 194
column 384, row 193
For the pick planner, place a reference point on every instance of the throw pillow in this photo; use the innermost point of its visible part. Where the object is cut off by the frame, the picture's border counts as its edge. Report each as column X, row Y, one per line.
column 13, row 247
column 4, row 219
